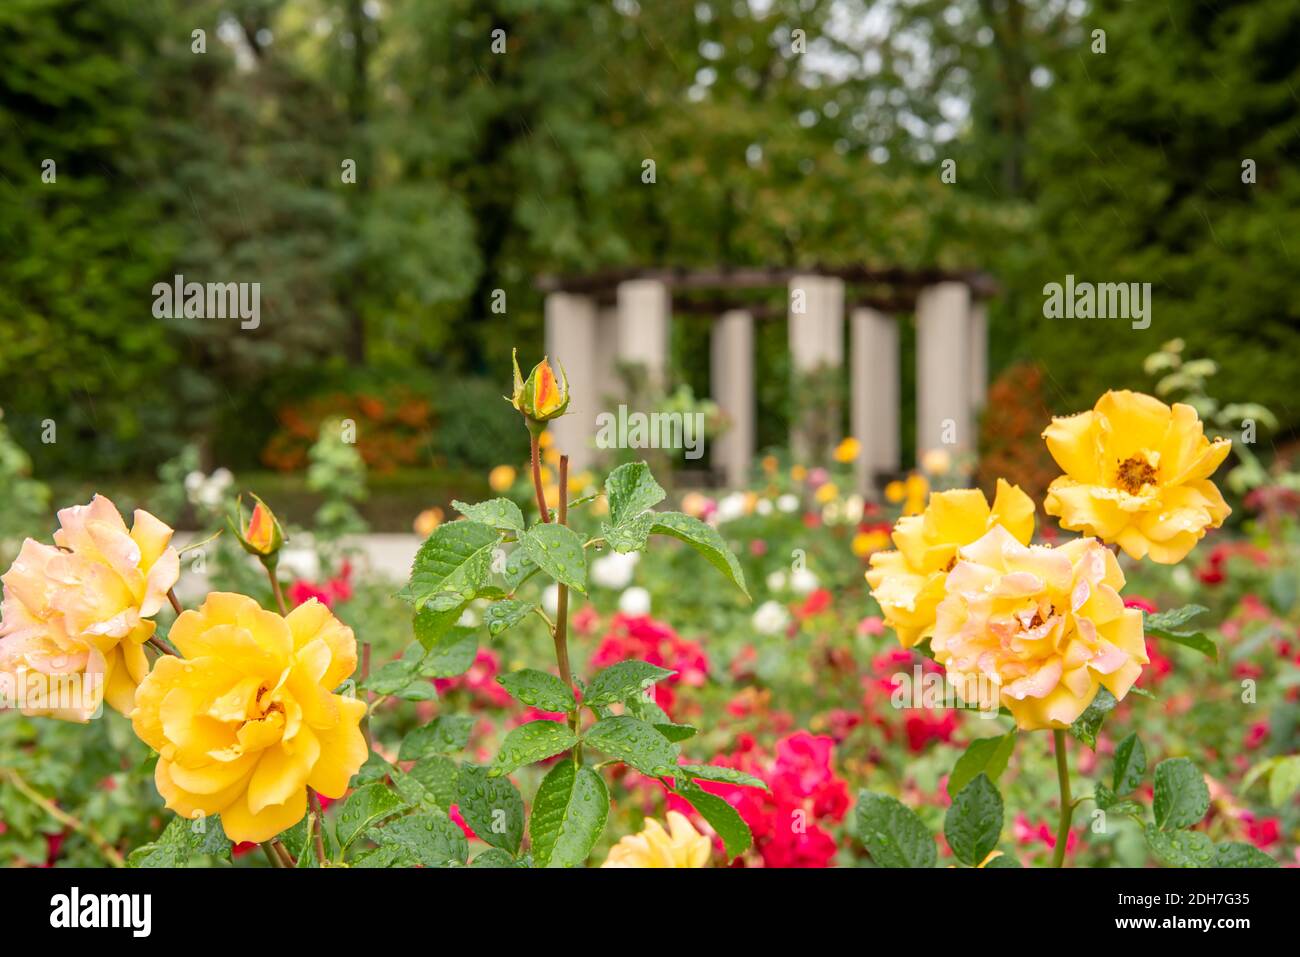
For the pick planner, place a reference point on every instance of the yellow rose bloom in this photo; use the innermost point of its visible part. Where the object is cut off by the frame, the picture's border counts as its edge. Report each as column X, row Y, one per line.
column 895, row 492
column 916, row 488
column 680, row 846
column 246, row 720
column 826, row 493
column 81, row 611
column 1036, row 629
column 501, row 478
column 798, row 473
column 864, row 543
column 1137, row 473
column 908, row 583
column 848, row 450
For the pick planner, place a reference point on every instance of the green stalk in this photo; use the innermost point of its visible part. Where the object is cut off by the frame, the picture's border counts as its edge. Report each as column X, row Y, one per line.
column 1067, row 806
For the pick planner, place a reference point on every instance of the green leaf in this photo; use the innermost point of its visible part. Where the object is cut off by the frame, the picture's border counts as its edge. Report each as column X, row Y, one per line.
column 892, row 833
column 450, row 655
column 1168, row 625
column 705, row 540
column 430, row 838
column 1181, row 797
column 430, row 783
column 438, row 616
column 506, row 614
column 973, row 823
column 631, row 536
column 1001, row 861
column 722, row 817
column 569, row 813
column 1284, row 780
column 376, row 768
column 675, row 732
column 365, row 807
column 492, row 807
column 1130, row 766
column 498, row 513
column 442, row 735
column 621, row 681
column 390, row 677
column 532, row 742
column 1239, row 854
column 519, row 568
column 181, row 840
column 455, row 560
column 1088, row 724
column 987, row 756
column 557, row 550
column 1180, row 848
column 712, row 772
column 494, row 857
column 630, row 490
column 634, row 742
column 539, row 690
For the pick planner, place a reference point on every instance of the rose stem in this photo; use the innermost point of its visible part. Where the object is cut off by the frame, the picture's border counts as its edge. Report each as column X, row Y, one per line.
column 271, row 855
column 67, row 820
column 320, row 823
column 562, row 602
column 275, row 587
column 537, row 479
column 1067, row 808
column 176, row 602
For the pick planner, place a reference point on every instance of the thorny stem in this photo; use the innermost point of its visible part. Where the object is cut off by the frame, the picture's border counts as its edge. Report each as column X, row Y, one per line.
column 63, row 817
column 271, row 857
column 562, row 607
column 1067, row 806
column 320, row 824
column 537, row 481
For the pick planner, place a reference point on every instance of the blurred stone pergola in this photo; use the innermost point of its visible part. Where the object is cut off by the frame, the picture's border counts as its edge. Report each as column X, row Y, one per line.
column 596, row 321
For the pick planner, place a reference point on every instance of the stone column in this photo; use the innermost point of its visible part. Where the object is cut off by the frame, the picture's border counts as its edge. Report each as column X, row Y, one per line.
column 943, row 370
column 644, row 307
column 816, row 336
column 571, row 336
column 874, row 395
column 732, row 358
column 979, row 353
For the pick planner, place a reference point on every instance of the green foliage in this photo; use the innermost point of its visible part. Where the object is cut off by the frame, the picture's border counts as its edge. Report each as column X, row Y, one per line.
column 1168, row 624
column 987, row 756
column 181, row 841
column 569, row 813
column 973, row 823
column 892, row 833
column 1088, row 724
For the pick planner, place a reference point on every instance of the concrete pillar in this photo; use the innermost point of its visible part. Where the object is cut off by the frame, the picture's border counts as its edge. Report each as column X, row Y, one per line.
column 732, row 358
column 874, row 395
column 979, row 353
column 644, row 307
column 943, row 370
column 816, row 336
column 609, row 386
column 571, row 336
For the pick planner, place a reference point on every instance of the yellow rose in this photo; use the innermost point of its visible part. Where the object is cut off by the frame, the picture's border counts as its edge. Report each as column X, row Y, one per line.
column 680, row 846
column 908, row 583
column 864, row 543
column 826, row 493
column 501, row 478
column 247, row 719
column 1037, row 629
column 427, row 521
column 81, row 611
column 1137, row 473
column 848, row 450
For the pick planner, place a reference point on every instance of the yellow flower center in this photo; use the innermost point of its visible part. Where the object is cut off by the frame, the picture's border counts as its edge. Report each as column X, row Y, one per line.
column 1135, row 472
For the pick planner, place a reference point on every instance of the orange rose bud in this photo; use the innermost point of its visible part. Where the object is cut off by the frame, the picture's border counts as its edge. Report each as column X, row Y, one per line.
column 262, row 535
column 542, row 396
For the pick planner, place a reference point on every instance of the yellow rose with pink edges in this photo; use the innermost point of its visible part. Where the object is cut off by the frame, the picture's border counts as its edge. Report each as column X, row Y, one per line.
column 80, row 612
column 1036, row 629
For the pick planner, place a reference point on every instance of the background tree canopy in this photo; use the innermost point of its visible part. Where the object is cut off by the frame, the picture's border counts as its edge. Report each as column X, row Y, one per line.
column 783, row 132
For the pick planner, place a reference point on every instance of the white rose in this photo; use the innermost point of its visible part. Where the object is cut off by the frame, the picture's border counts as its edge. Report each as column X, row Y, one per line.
column 776, row 581
column 763, row 506
column 551, row 599
column 614, row 571
column 634, row 601
column 802, row 581
column 788, row 503
column 770, row 618
column 730, row 507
